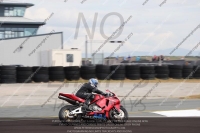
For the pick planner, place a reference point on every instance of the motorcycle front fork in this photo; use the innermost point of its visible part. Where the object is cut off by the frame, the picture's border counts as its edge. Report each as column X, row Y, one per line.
column 116, row 112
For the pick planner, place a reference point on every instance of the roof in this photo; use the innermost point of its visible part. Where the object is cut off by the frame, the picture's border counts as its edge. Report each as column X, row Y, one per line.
column 19, row 20
column 17, row 4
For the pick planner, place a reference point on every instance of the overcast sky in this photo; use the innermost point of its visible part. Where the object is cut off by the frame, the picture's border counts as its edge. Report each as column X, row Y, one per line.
column 154, row 27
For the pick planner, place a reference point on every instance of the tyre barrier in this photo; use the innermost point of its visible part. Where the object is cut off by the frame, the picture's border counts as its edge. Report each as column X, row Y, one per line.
column 175, row 71
column 56, row 73
column 118, row 72
column 24, row 74
column 162, row 72
column 41, row 74
column 196, row 70
column 13, row 74
column 187, row 72
column 147, row 72
column 8, row 74
column 72, row 72
column 133, row 72
column 88, row 72
column 103, row 72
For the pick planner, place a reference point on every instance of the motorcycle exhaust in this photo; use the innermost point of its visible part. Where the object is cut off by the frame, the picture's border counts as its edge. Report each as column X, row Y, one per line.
column 69, row 100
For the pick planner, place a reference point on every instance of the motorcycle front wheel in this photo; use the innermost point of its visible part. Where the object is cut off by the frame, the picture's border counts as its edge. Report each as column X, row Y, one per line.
column 120, row 118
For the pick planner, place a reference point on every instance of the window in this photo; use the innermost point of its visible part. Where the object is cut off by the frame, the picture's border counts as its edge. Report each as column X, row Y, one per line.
column 19, row 11
column 1, row 34
column 20, row 34
column 13, row 32
column 30, row 31
column 8, row 34
column 14, row 11
column 17, row 32
column 70, row 58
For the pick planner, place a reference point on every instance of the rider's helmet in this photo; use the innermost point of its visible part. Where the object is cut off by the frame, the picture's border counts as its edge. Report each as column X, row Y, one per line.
column 93, row 82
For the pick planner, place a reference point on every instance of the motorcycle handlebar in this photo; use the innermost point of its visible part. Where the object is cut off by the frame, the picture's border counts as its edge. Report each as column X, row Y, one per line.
column 113, row 94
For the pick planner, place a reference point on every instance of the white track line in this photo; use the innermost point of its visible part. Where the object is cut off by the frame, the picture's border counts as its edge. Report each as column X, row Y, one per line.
column 180, row 113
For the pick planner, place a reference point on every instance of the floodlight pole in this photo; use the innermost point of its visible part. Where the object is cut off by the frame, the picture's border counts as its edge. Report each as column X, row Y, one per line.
column 97, row 41
column 86, row 57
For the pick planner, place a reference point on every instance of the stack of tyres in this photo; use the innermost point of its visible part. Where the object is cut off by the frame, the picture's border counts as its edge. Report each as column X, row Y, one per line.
column 133, row 72
column 147, row 72
column 162, row 72
column 24, row 74
column 56, row 73
column 175, row 71
column 196, row 70
column 88, row 72
column 8, row 74
column 41, row 74
column 72, row 73
column 118, row 72
column 187, row 72
column 102, row 72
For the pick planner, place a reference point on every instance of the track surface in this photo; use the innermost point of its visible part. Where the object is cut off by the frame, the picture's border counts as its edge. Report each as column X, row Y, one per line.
column 141, row 110
column 144, row 125
column 21, row 110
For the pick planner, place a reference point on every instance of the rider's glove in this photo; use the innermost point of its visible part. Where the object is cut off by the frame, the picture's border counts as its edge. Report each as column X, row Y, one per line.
column 106, row 94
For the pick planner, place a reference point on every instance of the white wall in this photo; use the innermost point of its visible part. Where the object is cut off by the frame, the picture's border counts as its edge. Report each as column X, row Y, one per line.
column 44, row 58
column 58, row 57
column 9, row 56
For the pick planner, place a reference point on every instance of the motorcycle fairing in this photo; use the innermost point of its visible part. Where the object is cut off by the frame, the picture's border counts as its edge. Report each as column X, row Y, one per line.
column 106, row 104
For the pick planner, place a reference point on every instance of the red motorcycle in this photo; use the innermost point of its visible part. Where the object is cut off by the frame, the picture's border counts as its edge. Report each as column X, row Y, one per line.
column 102, row 108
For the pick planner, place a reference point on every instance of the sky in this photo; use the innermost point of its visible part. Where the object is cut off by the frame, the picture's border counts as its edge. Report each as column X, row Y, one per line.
column 156, row 26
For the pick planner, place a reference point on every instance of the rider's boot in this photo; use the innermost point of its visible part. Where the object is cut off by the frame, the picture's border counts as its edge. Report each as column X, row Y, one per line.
column 85, row 107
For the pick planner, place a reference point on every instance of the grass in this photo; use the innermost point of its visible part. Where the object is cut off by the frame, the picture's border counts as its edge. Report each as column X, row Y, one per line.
column 191, row 97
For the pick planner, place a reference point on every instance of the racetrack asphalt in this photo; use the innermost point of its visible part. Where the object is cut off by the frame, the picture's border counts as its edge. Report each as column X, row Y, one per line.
column 145, row 109
column 23, row 111
column 140, row 124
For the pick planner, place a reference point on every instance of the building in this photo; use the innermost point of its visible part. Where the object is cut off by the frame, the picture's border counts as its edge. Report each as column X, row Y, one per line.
column 13, row 23
column 21, row 45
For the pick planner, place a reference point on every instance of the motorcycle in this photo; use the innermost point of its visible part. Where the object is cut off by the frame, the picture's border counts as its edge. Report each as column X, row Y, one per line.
column 101, row 107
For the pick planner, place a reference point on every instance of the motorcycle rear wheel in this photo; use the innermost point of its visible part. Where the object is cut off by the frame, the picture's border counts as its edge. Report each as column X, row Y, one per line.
column 65, row 118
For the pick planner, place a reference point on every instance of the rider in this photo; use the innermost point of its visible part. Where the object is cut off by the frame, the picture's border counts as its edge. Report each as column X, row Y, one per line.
column 86, row 90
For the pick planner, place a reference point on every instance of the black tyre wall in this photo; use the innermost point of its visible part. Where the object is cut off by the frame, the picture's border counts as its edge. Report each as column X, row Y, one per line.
column 175, row 71
column 8, row 74
column 103, row 72
column 72, row 73
column 24, row 74
column 41, row 74
column 118, row 72
column 56, row 73
column 196, row 71
column 187, row 71
column 133, row 72
column 147, row 72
